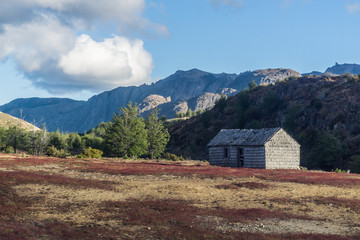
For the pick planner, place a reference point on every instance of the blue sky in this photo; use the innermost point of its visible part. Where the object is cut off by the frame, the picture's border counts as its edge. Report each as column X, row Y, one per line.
column 78, row 48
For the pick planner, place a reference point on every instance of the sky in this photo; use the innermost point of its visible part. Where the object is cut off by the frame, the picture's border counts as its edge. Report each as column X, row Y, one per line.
column 79, row 48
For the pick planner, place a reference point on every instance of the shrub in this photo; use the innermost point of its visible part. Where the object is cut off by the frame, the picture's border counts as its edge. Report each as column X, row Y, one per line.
column 172, row 157
column 338, row 170
column 54, row 152
column 9, row 149
column 91, row 153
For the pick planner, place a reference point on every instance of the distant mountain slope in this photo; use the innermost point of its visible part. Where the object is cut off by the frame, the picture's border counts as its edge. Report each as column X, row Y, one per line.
column 53, row 112
column 322, row 113
column 7, row 121
column 80, row 116
column 340, row 69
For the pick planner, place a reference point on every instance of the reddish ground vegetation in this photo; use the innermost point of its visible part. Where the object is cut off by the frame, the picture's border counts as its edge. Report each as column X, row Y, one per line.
column 177, row 168
column 174, row 219
column 52, row 230
column 249, row 185
column 24, row 177
column 200, row 202
column 299, row 176
column 312, row 177
column 353, row 204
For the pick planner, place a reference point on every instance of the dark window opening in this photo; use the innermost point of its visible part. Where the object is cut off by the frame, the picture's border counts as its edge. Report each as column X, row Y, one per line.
column 226, row 152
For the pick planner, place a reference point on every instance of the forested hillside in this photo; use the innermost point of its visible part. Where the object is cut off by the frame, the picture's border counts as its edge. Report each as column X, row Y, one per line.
column 322, row 113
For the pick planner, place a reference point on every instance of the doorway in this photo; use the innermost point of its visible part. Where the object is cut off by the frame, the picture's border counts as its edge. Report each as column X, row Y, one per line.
column 240, row 160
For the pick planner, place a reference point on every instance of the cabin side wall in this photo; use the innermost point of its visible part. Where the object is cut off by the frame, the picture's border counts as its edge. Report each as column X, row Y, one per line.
column 254, row 157
column 282, row 152
column 216, row 157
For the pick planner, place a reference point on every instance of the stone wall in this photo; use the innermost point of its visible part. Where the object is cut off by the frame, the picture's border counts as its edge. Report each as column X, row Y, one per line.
column 216, row 157
column 254, row 157
column 282, row 152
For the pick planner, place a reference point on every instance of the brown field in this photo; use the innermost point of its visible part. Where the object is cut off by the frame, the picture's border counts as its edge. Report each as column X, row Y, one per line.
column 50, row 198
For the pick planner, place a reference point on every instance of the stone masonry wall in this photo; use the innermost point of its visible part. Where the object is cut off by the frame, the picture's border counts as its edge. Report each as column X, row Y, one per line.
column 254, row 157
column 282, row 152
column 216, row 157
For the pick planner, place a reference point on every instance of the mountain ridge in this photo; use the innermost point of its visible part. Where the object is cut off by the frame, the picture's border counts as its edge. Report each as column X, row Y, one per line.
column 79, row 116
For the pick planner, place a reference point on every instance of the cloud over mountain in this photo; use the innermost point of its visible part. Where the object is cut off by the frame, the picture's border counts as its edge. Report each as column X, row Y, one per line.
column 41, row 36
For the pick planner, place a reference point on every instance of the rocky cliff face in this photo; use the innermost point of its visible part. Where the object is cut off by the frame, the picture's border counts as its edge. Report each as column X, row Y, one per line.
column 183, row 86
column 152, row 101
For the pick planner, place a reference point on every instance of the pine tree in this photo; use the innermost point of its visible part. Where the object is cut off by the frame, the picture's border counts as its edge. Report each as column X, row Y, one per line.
column 127, row 136
column 158, row 136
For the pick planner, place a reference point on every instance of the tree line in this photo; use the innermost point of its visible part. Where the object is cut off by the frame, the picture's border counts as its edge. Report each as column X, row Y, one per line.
column 126, row 135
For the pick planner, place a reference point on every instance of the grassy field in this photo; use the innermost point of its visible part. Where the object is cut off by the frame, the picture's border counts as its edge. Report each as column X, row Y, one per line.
column 50, row 198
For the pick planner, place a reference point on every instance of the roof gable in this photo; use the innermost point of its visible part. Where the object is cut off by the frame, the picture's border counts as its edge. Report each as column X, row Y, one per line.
column 243, row 137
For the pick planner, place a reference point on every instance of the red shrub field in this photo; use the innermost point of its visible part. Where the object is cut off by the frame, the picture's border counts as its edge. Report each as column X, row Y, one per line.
column 50, row 198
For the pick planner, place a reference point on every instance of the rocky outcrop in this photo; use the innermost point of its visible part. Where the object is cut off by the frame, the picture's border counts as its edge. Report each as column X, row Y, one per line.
column 152, row 101
column 206, row 101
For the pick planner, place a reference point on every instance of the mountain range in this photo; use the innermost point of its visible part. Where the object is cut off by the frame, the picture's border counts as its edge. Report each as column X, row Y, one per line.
column 178, row 93
column 183, row 90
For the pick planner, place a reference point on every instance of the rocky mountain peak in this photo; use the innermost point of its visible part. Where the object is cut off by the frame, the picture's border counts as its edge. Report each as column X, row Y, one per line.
column 340, row 69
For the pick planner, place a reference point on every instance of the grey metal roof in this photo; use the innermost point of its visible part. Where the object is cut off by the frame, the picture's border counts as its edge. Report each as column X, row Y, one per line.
column 244, row 137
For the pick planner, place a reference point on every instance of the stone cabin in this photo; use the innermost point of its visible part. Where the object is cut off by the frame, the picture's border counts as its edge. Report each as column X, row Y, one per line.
column 269, row 148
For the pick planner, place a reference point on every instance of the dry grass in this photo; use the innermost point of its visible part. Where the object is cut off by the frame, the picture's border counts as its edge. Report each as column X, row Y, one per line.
column 6, row 120
column 53, row 198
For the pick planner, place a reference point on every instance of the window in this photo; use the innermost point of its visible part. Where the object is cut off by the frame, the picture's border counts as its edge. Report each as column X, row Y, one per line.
column 226, row 152
column 240, row 162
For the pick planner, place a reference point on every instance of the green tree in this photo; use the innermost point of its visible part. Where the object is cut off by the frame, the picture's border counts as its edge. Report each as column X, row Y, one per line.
column 93, row 141
column 2, row 138
column 75, row 143
column 158, row 135
column 15, row 137
column 38, row 141
column 252, row 84
column 127, row 136
column 58, row 140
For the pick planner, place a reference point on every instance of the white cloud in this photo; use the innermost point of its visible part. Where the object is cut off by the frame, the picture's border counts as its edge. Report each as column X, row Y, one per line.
column 126, row 13
column 230, row 3
column 41, row 35
column 353, row 8
column 35, row 43
column 114, row 62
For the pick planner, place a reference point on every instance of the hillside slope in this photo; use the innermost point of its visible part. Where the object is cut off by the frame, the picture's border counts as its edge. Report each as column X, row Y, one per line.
column 322, row 113
column 79, row 116
column 7, row 120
